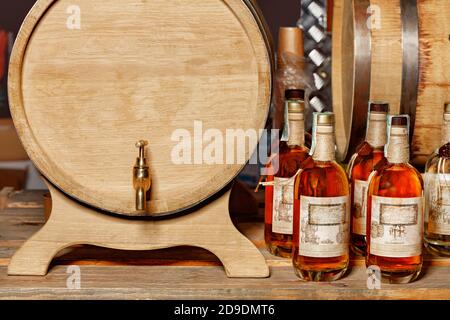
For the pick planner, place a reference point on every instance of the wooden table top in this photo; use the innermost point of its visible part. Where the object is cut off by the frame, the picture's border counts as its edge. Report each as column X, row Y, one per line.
column 183, row 272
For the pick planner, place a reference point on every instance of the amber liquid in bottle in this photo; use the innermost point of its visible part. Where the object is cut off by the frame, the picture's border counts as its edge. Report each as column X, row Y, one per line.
column 361, row 166
column 279, row 209
column 321, row 212
column 395, row 212
column 437, row 193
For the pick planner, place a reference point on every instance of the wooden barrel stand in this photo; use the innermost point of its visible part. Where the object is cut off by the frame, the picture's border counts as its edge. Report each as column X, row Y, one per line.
column 72, row 224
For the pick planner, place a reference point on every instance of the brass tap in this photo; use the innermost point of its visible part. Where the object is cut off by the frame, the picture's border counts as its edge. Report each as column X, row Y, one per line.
column 141, row 177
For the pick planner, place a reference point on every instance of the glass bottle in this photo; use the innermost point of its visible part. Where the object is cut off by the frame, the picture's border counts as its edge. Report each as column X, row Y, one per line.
column 321, row 210
column 368, row 154
column 279, row 209
column 288, row 76
column 395, row 210
column 437, row 194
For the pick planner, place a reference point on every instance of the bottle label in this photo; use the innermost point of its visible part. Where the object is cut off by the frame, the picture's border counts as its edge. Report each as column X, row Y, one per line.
column 359, row 207
column 439, row 204
column 283, row 205
column 324, row 226
column 396, row 227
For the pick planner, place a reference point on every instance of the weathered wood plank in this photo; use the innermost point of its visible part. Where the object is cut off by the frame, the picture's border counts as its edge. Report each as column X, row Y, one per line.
column 187, row 273
column 26, row 199
column 209, row 282
column 4, row 194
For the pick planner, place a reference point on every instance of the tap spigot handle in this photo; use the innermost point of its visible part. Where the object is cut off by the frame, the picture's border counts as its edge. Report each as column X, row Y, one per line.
column 141, row 144
column 141, row 177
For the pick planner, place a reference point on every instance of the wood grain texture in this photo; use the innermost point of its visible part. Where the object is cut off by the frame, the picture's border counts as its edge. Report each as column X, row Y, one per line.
column 4, row 195
column 387, row 70
column 70, row 223
column 186, row 272
column 434, row 80
column 209, row 282
column 343, row 65
column 135, row 70
column 387, row 56
column 384, row 61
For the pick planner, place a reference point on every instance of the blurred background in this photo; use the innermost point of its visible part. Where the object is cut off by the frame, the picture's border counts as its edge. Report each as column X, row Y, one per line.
column 15, row 169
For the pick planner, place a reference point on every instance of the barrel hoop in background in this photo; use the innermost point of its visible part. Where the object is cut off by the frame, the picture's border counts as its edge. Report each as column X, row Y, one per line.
column 363, row 58
column 410, row 68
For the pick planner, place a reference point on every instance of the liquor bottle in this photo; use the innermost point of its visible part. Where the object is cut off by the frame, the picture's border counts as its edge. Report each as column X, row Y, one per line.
column 290, row 41
column 362, row 163
column 437, row 193
column 395, row 210
column 321, row 209
column 279, row 209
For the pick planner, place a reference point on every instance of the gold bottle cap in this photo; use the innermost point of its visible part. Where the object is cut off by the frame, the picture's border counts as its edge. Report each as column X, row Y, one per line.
column 296, row 106
column 325, row 118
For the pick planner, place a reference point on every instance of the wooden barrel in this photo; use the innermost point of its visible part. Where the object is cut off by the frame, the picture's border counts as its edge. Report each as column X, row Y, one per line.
column 402, row 58
column 90, row 78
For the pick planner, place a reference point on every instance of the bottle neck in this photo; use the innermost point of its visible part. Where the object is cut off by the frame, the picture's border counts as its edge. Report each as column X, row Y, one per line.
column 324, row 148
column 398, row 146
column 376, row 134
column 446, row 130
column 296, row 129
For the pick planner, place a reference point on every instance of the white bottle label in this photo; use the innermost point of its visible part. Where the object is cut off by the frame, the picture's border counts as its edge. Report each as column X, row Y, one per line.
column 359, row 207
column 438, row 189
column 396, row 227
column 324, row 226
column 283, row 205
